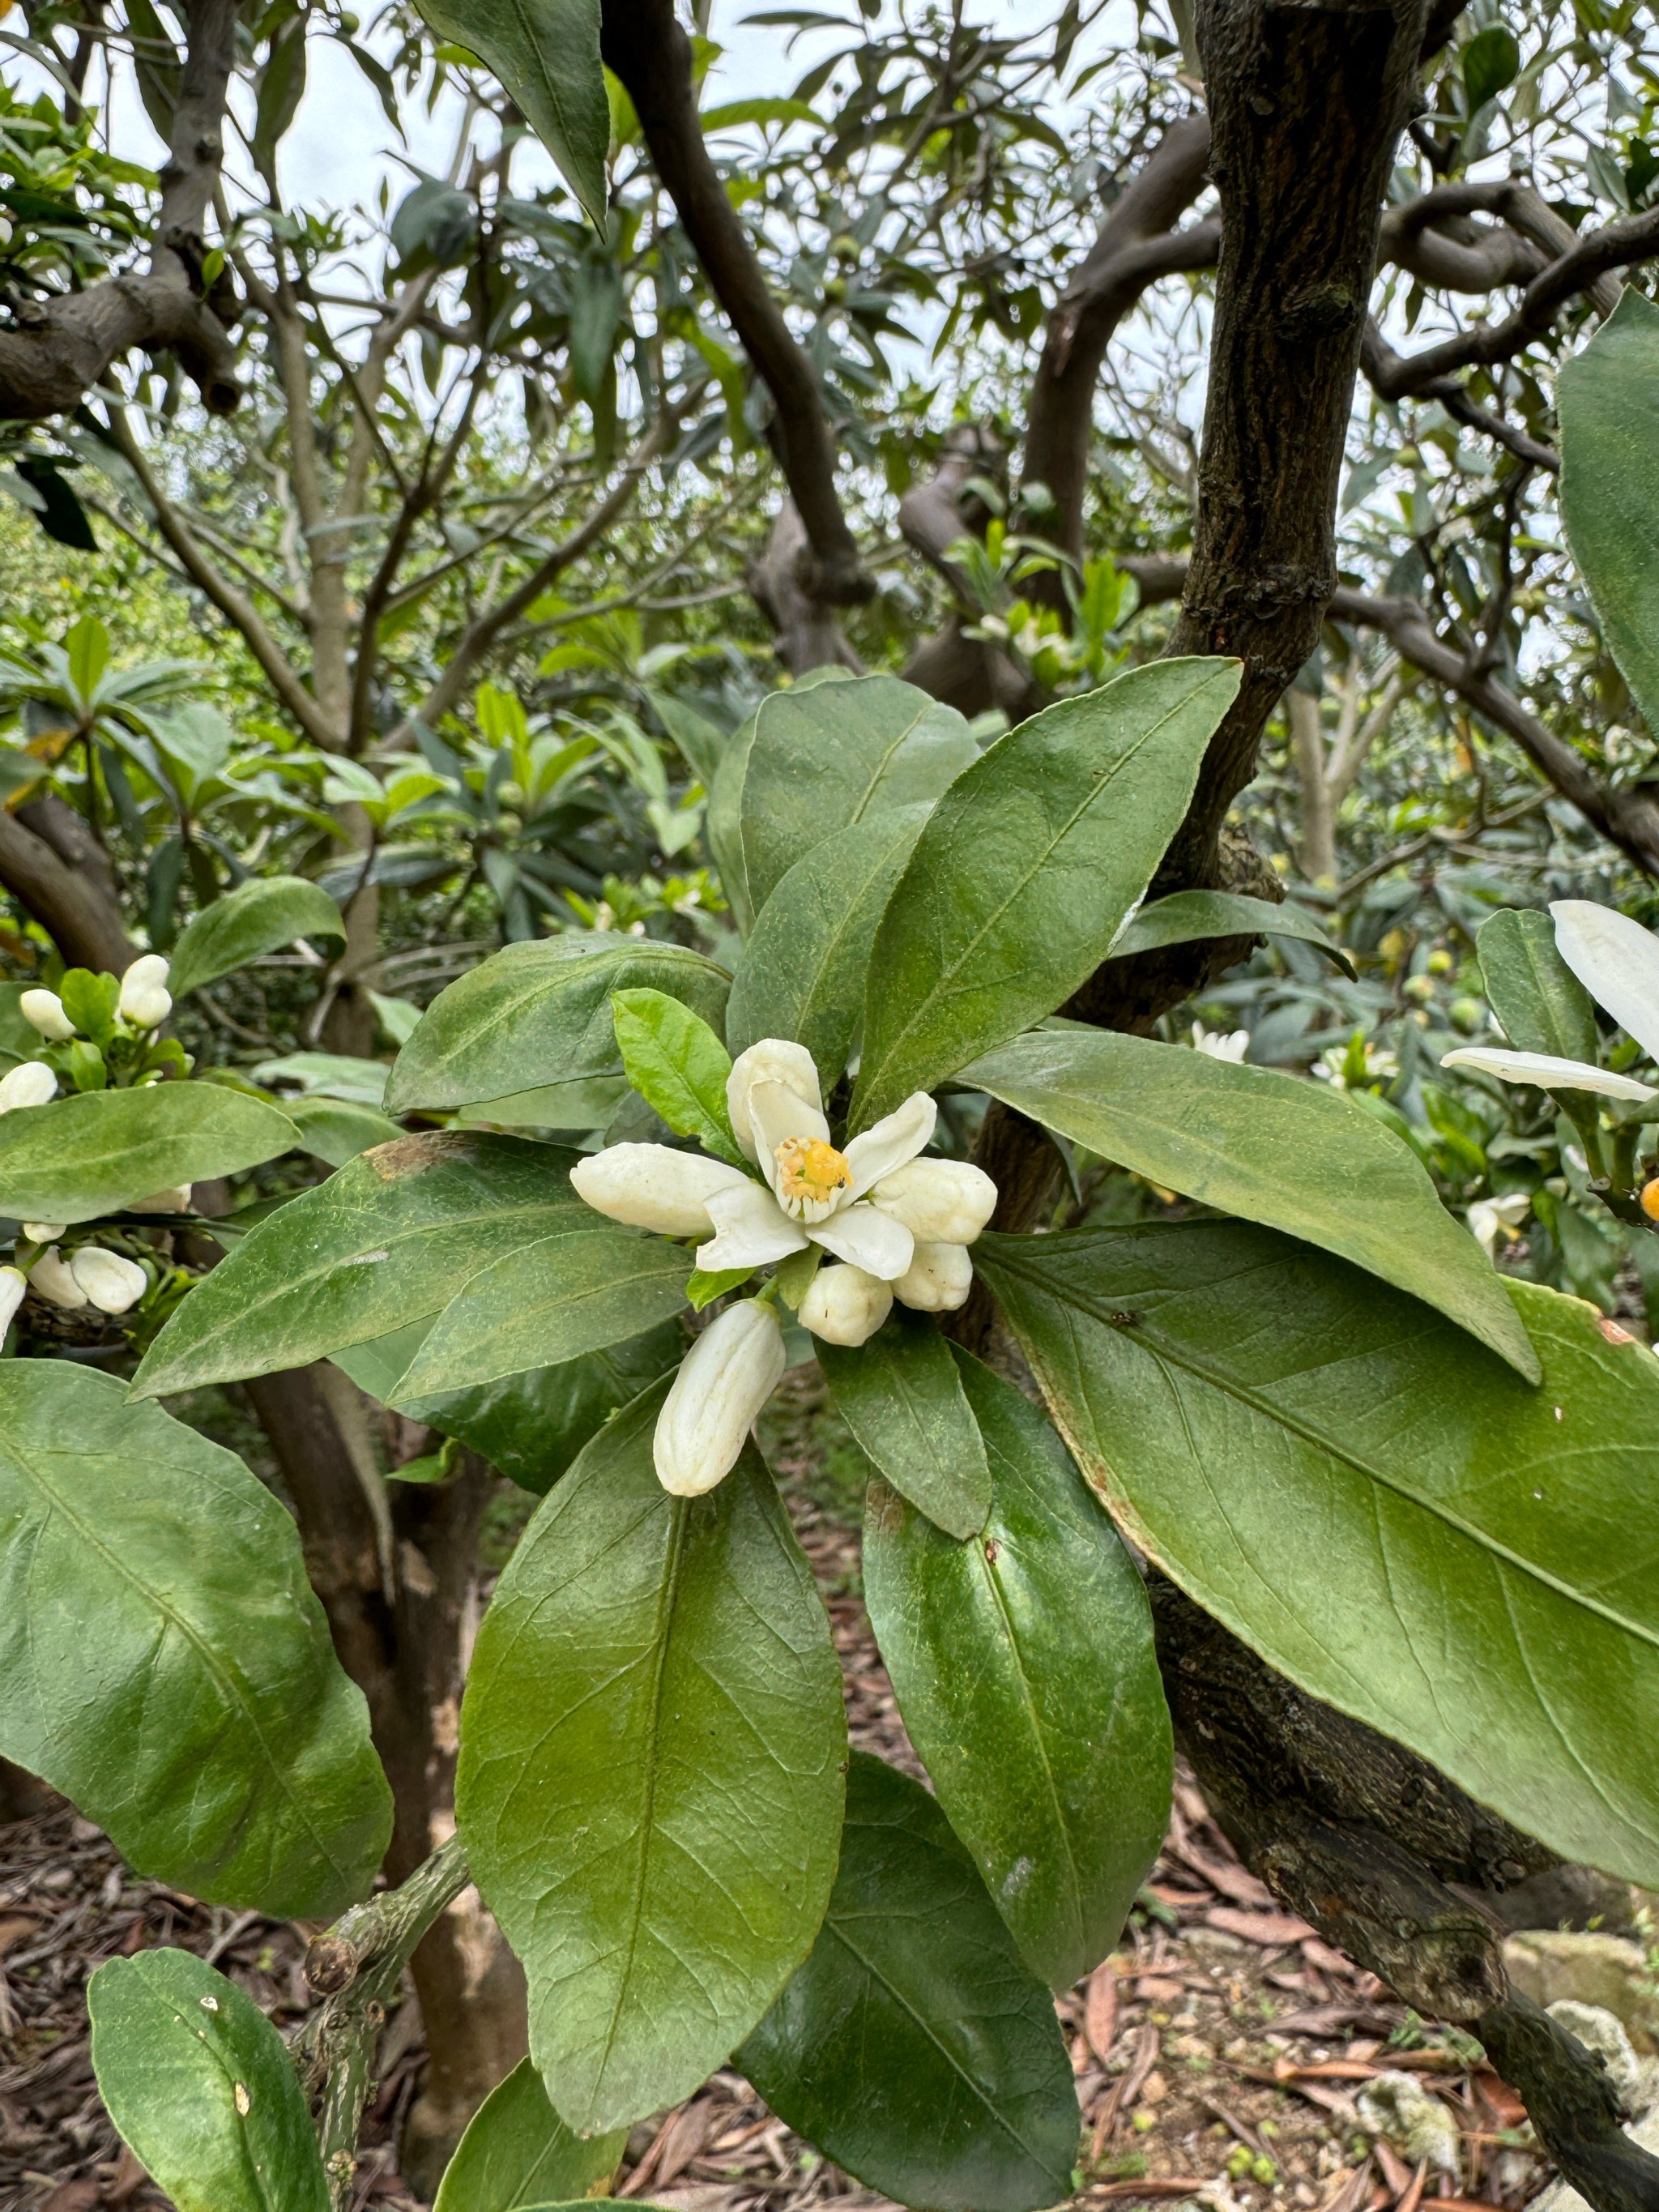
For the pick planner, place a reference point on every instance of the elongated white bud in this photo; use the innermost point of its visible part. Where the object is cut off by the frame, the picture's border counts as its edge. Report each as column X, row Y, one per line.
column 176, row 1200
column 31, row 1083
column 843, row 1305
column 939, row 1201
column 43, row 1010
column 56, row 1283
column 144, row 1000
column 653, row 1186
column 724, row 1380
column 109, row 1281
column 939, row 1279
column 43, row 1232
column 13, row 1284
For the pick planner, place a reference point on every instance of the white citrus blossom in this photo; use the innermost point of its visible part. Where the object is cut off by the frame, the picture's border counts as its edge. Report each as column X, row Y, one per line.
column 144, row 1000
column 868, row 1206
column 43, row 1010
column 1494, row 1220
column 108, row 1280
column 54, row 1279
column 31, row 1083
column 1617, row 961
column 724, row 1380
column 1220, row 1044
column 13, row 1284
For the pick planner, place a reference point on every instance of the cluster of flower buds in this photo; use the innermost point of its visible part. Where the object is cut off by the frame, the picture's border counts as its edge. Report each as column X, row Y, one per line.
column 895, row 1225
column 90, row 1277
column 145, row 1002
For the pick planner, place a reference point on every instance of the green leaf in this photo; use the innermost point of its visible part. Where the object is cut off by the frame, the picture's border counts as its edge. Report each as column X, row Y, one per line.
column 517, row 2151
column 392, row 1237
column 1405, row 1530
column 546, row 53
column 702, row 1287
column 802, row 972
column 679, row 1067
column 1268, row 1147
column 78, row 1158
column 1607, row 396
column 1025, row 870
column 163, row 1661
column 902, row 1399
column 329, row 1075
column 531, row 1426
column 335, row 1130
column 90, row 1001
column 539, row 1013
column 1491, row 62
column 1540, row 1004
column 259, row 916
column 200, row 2084
column 1185, row 916
column 824, row 757
column 916, row 2047
column 541, row 1304
column 650, row 1780
column 1023, row 1666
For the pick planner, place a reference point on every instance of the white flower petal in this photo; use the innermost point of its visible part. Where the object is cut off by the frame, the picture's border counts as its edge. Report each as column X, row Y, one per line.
column 752, row 1229
column 724, row 1380
column 937, row 1280
column 776, row 1113
column 53, row 1278
column 1617, row 961
column 654, row 1186
column 1545, row 1071
column 43, row 1010
column 843, row 1305
column 890, row 1143
column 1489, row 1219
column 110, row 1282
column 870, row 1239
column 939, row 1201
column 774, row 1059
column 31, row 1083
column 43, row 1232
column 13, row 1284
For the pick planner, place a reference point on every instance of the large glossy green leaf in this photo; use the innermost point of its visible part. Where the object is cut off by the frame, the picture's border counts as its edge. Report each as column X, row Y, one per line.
column 1540, row 1003
column 1267, row 1146
column 531, row 1426
column 518, row 2152
column 546, row 53
column 1397, row 1523
column 201, row 2085
column 825, row 759
column 335, row 1130
column 389, row 1239
column 163, row 1661
column 1185, row 916
column 259, row 916
column 1025, row 869
column 724, row 826
column 902, row 1399
column 1608, row 399
column 539, row 1013
column 541, row 1304
column 652, row 1771
column 95, row 1153
column 802, row 975
column 915, row 2046
column 1024, row 1669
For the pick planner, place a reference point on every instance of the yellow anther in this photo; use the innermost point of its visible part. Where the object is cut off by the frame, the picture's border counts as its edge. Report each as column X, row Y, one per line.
column 808, row 1170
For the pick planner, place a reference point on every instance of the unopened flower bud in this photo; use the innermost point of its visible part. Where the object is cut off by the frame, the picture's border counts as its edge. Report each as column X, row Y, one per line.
column 939, row 1201
column 53, row 1278
column 43, row 1010
column 937, row 1280
column 843, row 1305
column 176, row 1200
column 13, row 1284
column 31, row 1083
column 144, row 1000
column 109, row 1281
column 43, row 1232
column 724, row 1380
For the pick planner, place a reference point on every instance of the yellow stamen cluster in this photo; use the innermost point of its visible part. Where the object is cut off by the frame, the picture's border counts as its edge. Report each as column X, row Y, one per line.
column 811, row 1172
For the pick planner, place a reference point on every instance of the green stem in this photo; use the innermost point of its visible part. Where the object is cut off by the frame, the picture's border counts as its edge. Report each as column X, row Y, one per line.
column 357, row 1965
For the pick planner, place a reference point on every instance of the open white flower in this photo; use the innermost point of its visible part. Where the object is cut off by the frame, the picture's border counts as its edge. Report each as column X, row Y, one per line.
column 873, row 1207
column 1493, row 1221
column 144, row 1000
column 1617, row 961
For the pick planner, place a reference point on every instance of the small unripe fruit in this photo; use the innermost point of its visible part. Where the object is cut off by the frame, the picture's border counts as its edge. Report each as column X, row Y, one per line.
column 1650, row 1199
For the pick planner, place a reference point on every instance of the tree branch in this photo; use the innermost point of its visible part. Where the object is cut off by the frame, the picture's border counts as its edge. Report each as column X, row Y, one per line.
column 65, row 899
column 63, row 346
column 641, row 40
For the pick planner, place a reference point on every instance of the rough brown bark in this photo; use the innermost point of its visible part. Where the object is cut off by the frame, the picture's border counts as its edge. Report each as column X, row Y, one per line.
column 61, row 346
column 65, row 897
